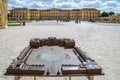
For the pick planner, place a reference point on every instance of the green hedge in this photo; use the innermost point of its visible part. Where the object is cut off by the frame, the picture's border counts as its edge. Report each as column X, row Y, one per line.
column 13, row 24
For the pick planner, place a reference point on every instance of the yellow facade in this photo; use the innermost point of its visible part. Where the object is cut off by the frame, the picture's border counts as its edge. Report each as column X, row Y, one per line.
column 115, row 17
column 3, row 13
column 73, row 14
column 54, row 13
column 112, row 18
column 104, row 19
column 20, row 14
column 34, row 14
column 90, row 14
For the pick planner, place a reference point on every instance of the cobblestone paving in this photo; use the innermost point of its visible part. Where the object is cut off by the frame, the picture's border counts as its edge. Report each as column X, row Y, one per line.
column 101, row 42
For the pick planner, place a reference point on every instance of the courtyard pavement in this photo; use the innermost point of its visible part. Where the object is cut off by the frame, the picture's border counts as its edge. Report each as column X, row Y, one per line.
column 101, row 42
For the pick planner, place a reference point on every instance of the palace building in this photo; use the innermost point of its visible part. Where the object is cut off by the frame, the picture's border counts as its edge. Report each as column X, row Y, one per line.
column 54, row 14
column 113, row 18
column 20, row 14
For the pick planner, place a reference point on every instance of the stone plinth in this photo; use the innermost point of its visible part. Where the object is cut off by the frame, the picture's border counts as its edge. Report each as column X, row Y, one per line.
column 3, row 14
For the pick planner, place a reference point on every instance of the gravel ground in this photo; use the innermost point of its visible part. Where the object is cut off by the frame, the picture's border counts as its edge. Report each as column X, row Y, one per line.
column 101, row 42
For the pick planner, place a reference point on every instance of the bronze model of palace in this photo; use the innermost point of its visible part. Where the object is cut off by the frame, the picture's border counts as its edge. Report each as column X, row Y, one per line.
column 53, row 57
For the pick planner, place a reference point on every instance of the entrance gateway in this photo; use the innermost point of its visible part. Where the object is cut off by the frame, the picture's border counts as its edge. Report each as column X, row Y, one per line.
column 53, row 57
column 3, row 13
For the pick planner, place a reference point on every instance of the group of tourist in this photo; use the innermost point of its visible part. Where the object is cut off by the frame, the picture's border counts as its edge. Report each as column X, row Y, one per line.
column 77, row 21
column 65, row 20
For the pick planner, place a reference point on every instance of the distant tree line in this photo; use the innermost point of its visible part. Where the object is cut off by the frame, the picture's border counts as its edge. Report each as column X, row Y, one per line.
column 106, row 14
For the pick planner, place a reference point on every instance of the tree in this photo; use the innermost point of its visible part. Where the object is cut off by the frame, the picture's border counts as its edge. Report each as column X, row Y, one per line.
column 8, row 15
column 104, row 14
column 111, row 13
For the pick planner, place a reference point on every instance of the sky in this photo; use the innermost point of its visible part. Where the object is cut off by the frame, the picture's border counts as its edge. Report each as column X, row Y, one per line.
column 102, row 5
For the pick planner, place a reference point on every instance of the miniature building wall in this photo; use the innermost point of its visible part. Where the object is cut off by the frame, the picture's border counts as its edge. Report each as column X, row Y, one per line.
column 3, row 13
column 52, row 41
column 85, row 65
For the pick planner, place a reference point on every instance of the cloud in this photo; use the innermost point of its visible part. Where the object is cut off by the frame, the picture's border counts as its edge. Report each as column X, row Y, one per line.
column 90, row 4
column 103, row 5
column 66, row 5
column 110, row 6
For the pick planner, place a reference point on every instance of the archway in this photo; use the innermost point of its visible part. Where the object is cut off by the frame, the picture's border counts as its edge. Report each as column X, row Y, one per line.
column 3, row 13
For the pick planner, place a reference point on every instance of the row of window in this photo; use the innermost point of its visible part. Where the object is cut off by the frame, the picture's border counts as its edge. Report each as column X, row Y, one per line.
column 54, row 16
column 21, row 13
column 19, row 16
column 91, row 16
column 55, row 13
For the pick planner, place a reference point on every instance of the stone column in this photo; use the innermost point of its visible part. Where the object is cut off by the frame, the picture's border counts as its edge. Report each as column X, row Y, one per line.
column 4, row 12
column 0, row 12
